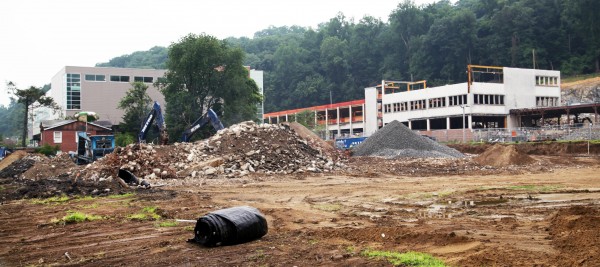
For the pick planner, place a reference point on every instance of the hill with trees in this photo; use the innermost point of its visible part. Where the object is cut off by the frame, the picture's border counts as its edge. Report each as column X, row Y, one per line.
column 433, row 42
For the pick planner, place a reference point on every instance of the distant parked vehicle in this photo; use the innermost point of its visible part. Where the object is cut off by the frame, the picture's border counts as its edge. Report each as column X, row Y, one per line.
column 4, row 152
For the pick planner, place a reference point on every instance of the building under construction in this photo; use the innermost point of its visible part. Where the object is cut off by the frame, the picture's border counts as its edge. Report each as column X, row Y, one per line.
column 492, row 98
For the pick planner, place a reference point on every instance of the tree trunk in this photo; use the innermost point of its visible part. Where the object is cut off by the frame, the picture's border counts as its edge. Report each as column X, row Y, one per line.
column 24, row 135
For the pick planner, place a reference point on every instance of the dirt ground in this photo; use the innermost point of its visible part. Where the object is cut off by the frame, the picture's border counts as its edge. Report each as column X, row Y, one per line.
column 542, row 214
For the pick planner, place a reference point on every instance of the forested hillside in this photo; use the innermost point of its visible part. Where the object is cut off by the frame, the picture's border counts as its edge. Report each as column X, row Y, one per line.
column 155, row 58
column 433, row 42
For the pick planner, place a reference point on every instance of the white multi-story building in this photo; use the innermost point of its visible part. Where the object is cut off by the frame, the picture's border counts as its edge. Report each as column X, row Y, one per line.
column 484, row 101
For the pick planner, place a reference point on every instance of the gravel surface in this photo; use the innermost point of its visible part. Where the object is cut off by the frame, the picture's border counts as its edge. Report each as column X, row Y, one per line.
column 396, row 140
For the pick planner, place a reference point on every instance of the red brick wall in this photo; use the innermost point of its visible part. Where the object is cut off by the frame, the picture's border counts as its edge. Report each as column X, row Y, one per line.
column 69, row 131
column 68, row 140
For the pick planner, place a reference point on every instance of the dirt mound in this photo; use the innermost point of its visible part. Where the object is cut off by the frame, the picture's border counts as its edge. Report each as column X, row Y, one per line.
column 313, row 139
column 61, row 165
column 574, row 232
column 502, row 156
column 396, row 140
column 44, row 188
column 19, row 166
column 236, row 151
column 17, row 155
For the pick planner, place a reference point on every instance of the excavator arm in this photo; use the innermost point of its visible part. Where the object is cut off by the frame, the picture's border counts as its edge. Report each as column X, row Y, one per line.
column 154, row 114
column 210, row 116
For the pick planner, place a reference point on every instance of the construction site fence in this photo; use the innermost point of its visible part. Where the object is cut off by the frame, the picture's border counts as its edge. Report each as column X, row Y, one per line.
column 573, row 132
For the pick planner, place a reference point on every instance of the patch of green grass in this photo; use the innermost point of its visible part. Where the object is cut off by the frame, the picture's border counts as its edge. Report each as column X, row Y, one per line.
column 189, row 228
column 78, row 217
column 51, row 200
column 538, row 188
column 150, row 209
column 168, row 224
column 2, row 188
column 120, row 196
column 138, row 217
column 410, row 258
column 328, row 207
column 147, row 213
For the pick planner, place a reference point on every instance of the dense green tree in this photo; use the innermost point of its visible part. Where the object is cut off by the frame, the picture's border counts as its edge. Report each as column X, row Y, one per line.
column 30, row 98
column 136, row 104
column 204, row 72
column 406, row 23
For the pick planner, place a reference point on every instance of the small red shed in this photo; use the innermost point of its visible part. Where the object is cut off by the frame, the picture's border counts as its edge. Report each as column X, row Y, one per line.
column 64, row 132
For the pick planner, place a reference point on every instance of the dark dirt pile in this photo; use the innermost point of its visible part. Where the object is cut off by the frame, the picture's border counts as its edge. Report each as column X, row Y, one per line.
column 19, row 166
column 396, row 140
column 502, row 156
column 575, row 234
column 17, row 155
column 235, row 151
column 43, row 188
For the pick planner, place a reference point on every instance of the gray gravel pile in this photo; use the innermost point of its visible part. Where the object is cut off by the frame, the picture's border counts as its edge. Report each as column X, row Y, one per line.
column 396, row 140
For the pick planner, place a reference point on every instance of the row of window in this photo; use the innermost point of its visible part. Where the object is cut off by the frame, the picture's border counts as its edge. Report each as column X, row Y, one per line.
column 546, row 80
column 546, row 101
column 457, row 100
column 438, row 102
column 479, row 99
column 117, row 78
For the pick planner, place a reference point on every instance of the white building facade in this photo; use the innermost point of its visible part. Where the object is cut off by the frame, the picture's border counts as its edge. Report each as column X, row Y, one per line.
column 484, row 101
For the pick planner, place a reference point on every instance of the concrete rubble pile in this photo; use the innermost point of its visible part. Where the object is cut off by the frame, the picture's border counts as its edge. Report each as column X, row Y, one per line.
column 396, row 140
column 235, row 151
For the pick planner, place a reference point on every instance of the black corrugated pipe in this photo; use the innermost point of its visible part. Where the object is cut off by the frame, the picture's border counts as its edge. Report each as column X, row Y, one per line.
column 230, row 226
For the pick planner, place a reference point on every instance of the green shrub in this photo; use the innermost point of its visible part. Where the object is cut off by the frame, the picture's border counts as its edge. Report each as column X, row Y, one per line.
column 48, row 150
column 124, row 139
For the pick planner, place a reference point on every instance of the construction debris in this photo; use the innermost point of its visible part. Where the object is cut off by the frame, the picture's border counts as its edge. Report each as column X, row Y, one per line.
column 236, row 151
column 396, row 140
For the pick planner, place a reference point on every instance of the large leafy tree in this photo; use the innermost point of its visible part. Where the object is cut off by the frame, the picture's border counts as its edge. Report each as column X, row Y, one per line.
column 31, row 98
column 136, row 103
column 204, row 72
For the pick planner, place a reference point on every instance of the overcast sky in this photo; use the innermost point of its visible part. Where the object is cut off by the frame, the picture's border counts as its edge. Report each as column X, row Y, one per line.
column 39, row 37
